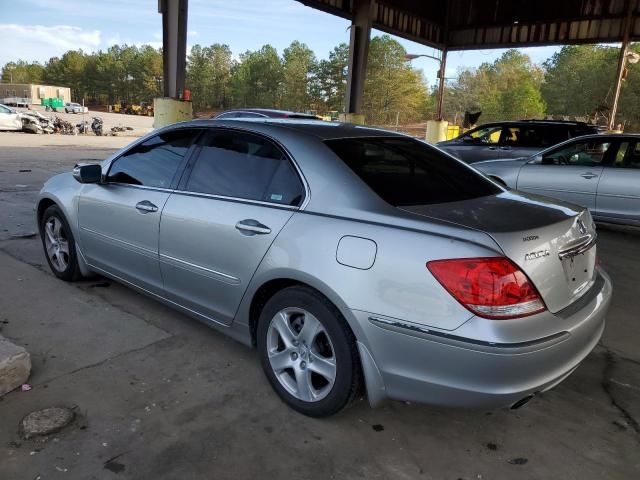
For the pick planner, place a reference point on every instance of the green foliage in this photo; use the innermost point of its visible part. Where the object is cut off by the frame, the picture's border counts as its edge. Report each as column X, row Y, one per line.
column 392, row 87
column 262, row 78
column 580, row 81
column 257, row 79
column 329, row 81
column 208, row 76
column 22, row 72
column 508, row 88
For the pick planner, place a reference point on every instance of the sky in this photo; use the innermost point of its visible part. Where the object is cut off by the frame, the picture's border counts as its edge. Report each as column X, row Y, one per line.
column 51, row 27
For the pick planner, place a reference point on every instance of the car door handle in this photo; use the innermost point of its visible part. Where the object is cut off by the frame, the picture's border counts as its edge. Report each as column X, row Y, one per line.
column 146, row 206
column 252, row 227
column 506, row 147
column 493, row 148
column 588, row 175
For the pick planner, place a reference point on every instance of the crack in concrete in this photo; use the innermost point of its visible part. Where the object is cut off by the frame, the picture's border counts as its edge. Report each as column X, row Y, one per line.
column 610, row 360
column 101, row 362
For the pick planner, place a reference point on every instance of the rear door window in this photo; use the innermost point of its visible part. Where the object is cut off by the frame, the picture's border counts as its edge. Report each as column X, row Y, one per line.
column 404, row 171
column 246, row 166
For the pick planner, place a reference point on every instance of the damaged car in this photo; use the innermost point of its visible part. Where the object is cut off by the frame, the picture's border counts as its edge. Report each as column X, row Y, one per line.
column 9, row 119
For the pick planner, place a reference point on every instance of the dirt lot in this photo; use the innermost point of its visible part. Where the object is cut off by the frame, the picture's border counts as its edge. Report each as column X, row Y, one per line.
column 158, row 395
column 140, row 124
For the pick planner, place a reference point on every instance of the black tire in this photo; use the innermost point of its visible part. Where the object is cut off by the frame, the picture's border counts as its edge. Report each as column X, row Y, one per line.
column 348, row 371
column 72, row 270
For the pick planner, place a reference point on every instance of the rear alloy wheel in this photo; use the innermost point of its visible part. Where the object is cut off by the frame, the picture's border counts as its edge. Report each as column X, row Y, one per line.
column 308, row 352
column 59, row 245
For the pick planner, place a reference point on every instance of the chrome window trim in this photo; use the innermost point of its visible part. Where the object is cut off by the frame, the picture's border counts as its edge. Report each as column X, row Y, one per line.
column 141, row 187
column 236, row 199
column 206, row 195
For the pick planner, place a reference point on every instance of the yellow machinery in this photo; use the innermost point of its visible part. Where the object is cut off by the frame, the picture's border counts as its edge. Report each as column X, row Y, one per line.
column 144, row 108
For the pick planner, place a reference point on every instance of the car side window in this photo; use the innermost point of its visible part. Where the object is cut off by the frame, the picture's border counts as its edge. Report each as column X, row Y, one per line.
column 590, row 153
column 632, row 159
column 154, row 162
column 484, row 136
column 243, row 165
column 4, row 110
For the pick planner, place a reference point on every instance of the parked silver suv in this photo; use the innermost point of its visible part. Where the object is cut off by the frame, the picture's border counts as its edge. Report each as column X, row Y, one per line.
column 351, row 257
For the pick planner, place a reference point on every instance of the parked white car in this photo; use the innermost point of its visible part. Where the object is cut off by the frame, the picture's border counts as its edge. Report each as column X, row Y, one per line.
column 75, row 108
column 9, row 119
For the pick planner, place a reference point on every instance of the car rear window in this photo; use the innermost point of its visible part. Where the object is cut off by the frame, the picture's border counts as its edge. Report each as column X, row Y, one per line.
column 404, row 171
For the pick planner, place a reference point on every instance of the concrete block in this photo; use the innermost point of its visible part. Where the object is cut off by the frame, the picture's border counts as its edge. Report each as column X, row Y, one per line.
column 15, row 366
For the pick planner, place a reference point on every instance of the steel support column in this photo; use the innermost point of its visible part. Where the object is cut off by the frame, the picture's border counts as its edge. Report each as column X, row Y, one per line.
column 358, row 53
column 443, row 66
column 622, row 60
column 174, row 45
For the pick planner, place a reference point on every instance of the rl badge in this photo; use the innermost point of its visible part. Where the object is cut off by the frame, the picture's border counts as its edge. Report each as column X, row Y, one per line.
column 537, row 254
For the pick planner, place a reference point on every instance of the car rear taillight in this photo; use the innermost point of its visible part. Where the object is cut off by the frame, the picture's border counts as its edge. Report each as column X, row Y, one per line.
column 492, row 287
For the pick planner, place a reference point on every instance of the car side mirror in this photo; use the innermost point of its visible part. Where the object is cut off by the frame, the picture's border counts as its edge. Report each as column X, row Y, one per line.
column 88, row 173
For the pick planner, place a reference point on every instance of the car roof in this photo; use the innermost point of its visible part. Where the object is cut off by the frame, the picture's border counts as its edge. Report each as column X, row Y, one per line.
column 267, row 111
column 318, row 128
column 537, row 122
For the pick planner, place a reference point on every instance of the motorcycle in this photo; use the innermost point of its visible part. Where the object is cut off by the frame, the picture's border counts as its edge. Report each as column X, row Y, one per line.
column 97, row 126
column 83, row 127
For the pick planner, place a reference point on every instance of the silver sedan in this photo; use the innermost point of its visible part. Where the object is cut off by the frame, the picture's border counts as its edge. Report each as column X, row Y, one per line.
column 600, row 172
column 356, row 260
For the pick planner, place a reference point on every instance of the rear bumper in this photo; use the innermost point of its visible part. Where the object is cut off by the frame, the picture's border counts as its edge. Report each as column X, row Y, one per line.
column 411, row 362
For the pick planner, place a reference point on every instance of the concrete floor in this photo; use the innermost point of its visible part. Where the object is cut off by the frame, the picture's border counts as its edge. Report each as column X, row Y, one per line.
column 158, row 395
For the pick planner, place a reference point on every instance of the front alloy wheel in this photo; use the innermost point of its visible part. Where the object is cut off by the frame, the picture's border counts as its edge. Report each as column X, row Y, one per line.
column 59, row 244
column 56, row 243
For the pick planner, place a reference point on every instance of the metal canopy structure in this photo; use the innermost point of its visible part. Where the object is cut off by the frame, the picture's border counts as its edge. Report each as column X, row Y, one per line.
column 450, row 25
column 446, row 25
column 474, row 24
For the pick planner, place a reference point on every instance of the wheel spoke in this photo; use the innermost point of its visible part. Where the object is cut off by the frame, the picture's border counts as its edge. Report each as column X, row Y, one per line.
column 325, row 367
column 281, row 324
column 59, row 261
column 303, row 382
column 63, row 245
column 57, row 224
column 280, row 360
column 51, row 250
column 49, row 231
column 310, row 329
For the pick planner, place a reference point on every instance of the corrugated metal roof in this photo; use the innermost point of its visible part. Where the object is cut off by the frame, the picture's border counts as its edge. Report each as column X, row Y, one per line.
column 473, row 24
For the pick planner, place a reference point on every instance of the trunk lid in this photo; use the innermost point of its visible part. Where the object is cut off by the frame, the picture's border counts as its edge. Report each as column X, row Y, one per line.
column 551, row 241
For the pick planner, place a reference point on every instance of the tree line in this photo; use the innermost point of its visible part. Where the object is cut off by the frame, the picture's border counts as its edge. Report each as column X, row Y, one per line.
column 577, row 81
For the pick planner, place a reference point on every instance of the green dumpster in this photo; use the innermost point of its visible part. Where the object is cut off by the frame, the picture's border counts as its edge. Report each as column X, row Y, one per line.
column 52, row 102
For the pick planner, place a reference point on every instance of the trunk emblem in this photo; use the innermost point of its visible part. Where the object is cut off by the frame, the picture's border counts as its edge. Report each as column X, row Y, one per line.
column 537, row 254
column 582, row 228
column 530, row 238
